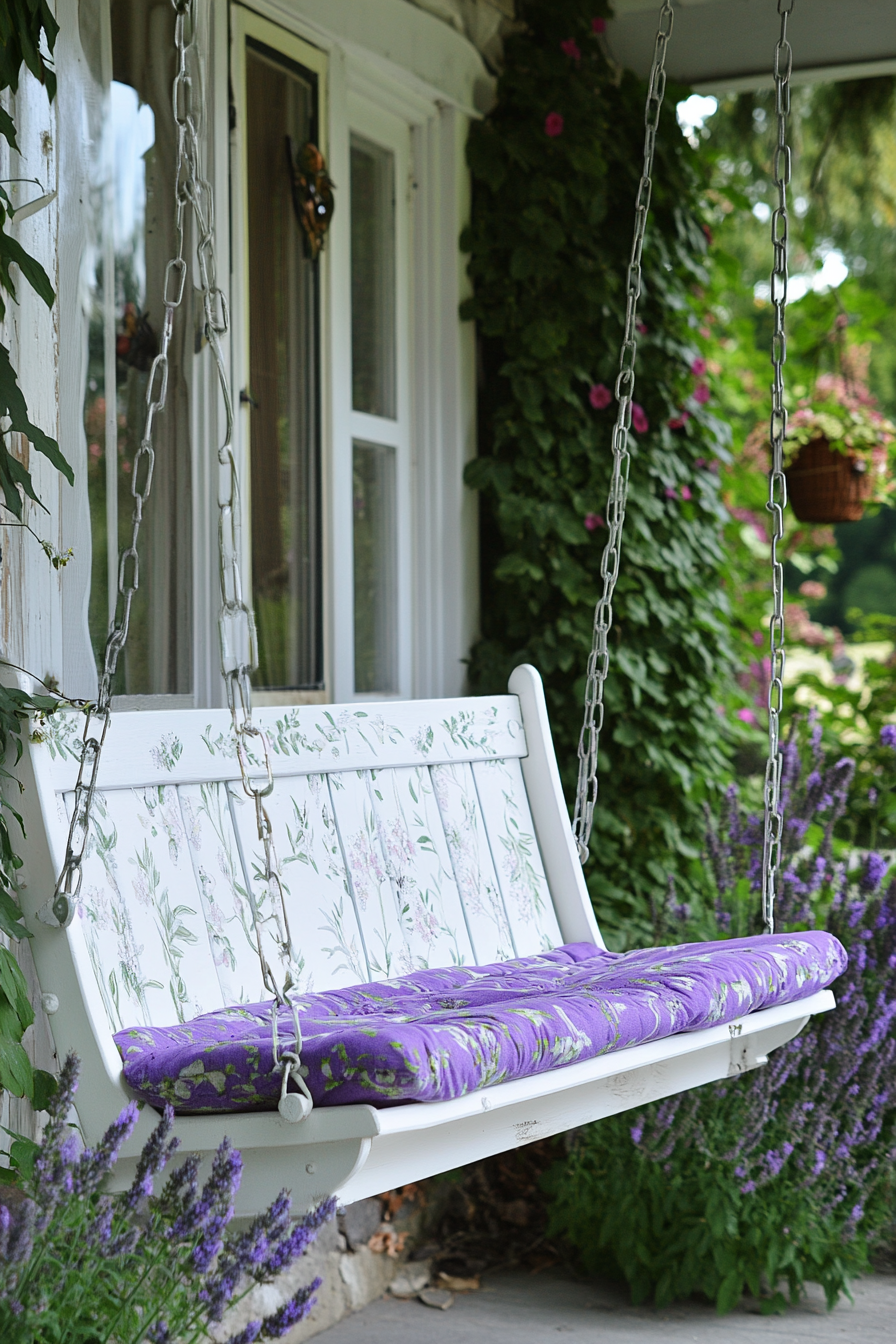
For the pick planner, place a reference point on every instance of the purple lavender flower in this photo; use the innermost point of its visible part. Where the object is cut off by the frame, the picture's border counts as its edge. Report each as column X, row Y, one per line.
column 873, row 872
column 94, row 1165
column 888, row 735
column 293, row 1311
column 247, row 1335
column 156, row 1154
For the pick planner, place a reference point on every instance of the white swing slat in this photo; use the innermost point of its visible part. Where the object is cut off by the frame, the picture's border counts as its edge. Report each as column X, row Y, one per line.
column 410, row 834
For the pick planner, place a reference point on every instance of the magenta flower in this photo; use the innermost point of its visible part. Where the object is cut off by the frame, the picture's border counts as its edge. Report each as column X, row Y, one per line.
column 570, row 48
column 640, row 423
column 701, row 462
column 593, row 521
column 679, row 421
column 598, row 25
column 600, row 396
column 670, row 492
column 553, row 124
column 698, row 368
column 642, row 328
column 685, row 492
column 747, row 716
column 702, row 393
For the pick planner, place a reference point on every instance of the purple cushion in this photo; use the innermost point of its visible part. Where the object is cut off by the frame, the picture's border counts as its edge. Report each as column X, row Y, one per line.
column 438, row 1034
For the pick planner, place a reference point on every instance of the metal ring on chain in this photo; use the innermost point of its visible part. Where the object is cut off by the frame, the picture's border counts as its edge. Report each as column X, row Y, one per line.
column 599, row 658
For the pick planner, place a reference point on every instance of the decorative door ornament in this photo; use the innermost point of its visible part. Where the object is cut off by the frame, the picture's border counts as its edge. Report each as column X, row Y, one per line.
column 312, row 194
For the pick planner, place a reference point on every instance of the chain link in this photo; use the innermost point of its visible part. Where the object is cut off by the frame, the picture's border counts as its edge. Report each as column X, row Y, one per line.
column 777, row 484
column 599, row 658
column 236, row 625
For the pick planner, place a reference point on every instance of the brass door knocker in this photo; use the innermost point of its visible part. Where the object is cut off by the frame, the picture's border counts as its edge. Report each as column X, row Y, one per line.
column 312, row 194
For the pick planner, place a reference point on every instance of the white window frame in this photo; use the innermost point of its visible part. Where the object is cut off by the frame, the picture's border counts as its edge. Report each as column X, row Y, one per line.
column 372, row 122
column 434, row 433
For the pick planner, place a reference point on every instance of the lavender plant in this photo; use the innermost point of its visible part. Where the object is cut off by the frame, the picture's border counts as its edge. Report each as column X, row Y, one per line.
column 786, row 1175
column 78, row 1266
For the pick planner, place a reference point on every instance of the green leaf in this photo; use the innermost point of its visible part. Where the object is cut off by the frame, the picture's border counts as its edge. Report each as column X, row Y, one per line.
column 11, row 918
column 12, row 473
column 8, row 129
column 13, row 985
column 22, row 1154
column 12, row 251
column 15, row 1068
column 45, row 1088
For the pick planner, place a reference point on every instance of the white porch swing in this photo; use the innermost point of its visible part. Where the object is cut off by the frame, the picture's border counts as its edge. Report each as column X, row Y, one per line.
column 171, row 899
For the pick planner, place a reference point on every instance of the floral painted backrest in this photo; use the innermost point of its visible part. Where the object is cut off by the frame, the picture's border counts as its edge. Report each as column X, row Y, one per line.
column 404, row 834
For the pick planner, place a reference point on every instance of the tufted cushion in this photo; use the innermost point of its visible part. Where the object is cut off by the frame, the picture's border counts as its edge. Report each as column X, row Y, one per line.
column 437, row 1034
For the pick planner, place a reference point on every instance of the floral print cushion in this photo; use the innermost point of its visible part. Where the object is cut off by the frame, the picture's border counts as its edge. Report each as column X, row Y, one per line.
column 437, row 1034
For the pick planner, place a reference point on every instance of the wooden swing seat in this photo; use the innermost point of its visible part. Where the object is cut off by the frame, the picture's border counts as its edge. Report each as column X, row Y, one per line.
column 411, row 834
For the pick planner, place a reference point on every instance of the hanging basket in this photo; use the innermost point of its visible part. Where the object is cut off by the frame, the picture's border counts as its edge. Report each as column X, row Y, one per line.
column 824, row 486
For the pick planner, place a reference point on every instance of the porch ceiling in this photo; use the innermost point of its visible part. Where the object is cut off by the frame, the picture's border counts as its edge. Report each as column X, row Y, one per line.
column 729, row 44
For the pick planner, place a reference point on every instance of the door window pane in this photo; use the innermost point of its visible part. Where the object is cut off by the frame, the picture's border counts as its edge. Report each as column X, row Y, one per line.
column 376, row 568
column 283, row 332
column 130, row 218
column 373, row 278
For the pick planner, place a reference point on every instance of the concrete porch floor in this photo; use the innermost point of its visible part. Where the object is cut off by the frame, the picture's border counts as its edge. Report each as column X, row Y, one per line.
column 532, row 1309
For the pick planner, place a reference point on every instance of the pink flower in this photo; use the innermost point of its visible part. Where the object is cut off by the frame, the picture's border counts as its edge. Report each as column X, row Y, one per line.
column 593, row 521
column 570, row 48
column 640, row 423
column 747, row 716
column 95, row 450
column 670, row 492
column 685, row 492
column 701, row 462
column 679, row 421
column 705, row 332
column 758, row 638
column 642, row 328
column 702, row 393
column 600, row 396
column 553, row 124
column 814, row 591
column 698, row 368
column 598, row 25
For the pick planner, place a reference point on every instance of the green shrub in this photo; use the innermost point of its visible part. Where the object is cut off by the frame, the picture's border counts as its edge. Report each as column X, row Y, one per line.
column 786, row 1175
column 555, row 169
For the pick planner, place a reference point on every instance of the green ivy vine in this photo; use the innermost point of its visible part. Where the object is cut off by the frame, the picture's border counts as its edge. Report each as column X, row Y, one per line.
column 28, row 31
column 555, row 170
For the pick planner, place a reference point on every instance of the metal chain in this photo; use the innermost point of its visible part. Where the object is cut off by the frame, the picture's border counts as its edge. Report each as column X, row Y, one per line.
column 96, row 723
column 599, row 658
column 777, row 484
column 236, row 624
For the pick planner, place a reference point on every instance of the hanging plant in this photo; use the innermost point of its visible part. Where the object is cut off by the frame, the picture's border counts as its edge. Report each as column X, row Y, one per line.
column 840, row 451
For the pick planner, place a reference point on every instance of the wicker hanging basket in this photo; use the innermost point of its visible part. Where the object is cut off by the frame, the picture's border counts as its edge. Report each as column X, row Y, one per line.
column 824, row 486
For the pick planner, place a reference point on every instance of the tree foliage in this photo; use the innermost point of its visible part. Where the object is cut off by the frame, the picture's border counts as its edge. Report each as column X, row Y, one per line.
column 549, row 245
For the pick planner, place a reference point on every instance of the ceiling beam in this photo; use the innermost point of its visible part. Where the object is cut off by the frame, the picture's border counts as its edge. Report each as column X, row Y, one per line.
column 720, row 45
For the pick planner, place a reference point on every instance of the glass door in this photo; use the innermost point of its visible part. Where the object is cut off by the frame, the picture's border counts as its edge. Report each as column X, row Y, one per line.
column 279, row 116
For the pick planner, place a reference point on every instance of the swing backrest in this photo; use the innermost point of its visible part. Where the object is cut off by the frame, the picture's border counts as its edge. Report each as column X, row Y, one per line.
column 410, row 834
